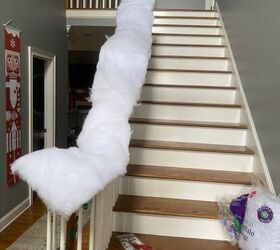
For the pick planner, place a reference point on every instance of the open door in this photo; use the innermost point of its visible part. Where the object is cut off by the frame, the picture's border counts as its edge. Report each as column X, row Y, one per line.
column 42, row 85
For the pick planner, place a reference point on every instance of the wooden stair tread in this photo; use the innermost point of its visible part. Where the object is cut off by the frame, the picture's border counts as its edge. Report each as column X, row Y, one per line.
column 187, row 26
column 188, row 123
column 191, row 10
column 190, row 35
column 173, row 243
column 186, row 17
column 193, row 104
column 190, row 57
column 190, row 45
column 189, row 174
column 166, row 206
column 192, row 71
column 189, row 86
column 200, row 147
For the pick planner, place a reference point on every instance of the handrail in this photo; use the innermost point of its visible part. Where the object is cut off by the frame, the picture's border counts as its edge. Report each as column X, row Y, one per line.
column 92, row 4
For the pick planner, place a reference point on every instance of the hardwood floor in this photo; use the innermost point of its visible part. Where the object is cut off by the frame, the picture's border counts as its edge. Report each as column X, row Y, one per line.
column 21, row 224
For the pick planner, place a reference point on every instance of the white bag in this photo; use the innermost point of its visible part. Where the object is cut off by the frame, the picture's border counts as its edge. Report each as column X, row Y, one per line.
column 261, row 226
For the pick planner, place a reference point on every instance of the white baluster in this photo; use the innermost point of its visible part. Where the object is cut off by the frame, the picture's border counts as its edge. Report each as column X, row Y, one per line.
column 80, row 229
column 63, row 231
column 71, row 4
column 110, row 4
column 77, row 4
column 116, row 4
column 96, row 4
column 84, row 4
column 91, row 230
column 49, row 230
column 103, row 4
column 54, row 232
column 90, row 4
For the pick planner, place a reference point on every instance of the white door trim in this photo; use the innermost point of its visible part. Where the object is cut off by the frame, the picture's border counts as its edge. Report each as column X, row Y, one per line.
column 50, row 98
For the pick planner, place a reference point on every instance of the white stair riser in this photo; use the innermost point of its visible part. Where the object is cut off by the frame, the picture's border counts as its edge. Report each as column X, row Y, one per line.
column 188, row 63
column 168, row 226
column 189, row 113
column 187, row 51
column 189, row 134
column 191, row 159
column 180, row 189
column 169, row 39
column 191, row 78
column 187, row 30
column 181, row 94
column 186, row 13
column 187, row 21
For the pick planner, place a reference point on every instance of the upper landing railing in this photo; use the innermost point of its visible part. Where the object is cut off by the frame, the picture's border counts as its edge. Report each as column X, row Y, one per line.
column 92, row 4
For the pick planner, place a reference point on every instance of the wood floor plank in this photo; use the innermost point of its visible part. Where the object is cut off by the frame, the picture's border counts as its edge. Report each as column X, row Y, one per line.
column 188, row 123
column 166, row 206
column 174, row 243
column 189, row 174
column 191, row 146
column 21, row 224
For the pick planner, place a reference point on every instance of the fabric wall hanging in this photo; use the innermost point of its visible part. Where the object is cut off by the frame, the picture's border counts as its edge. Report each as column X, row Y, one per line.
column 13, row 106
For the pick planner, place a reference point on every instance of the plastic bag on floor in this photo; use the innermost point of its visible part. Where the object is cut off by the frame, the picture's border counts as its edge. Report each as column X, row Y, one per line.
column 261, row 226
column 231, row 214
column 131, row 242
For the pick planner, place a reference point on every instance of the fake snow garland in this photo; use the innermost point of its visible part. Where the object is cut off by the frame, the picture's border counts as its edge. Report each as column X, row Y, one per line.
column 67, row 178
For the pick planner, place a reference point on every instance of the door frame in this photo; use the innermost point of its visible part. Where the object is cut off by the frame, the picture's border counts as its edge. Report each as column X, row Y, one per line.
column 49, row 99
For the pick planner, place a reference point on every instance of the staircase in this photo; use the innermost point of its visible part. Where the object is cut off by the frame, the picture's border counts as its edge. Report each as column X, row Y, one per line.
column 188, row 148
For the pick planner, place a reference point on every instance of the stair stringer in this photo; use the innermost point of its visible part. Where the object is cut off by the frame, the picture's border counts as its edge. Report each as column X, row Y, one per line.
column 260, row 167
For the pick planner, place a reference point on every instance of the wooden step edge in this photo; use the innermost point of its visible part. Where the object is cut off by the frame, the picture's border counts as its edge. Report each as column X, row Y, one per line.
column 190, row 57
column 182, row 10
column 189, row 174
column 196, row 147
column 166, row 206
column 226, row 72
column 188, row 123
column 187, row 17
column 188, row 26
column 158, row 242
column 193, row 104
column 190, row 86
column 189, row 35
column 190, row 45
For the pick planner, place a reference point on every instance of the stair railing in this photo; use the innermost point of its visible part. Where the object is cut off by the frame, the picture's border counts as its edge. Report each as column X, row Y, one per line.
column 100, row 223
column 92, row 4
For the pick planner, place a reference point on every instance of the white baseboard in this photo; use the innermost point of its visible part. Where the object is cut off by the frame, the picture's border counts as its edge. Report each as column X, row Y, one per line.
column 260, row 168
column 14, row 214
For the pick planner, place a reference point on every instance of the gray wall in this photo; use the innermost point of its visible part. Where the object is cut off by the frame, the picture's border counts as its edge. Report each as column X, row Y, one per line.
column 254, row 34
column 43, row 26
column 178, row 4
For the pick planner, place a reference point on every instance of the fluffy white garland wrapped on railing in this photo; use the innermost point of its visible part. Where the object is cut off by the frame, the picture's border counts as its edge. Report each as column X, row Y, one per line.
column 67, row 178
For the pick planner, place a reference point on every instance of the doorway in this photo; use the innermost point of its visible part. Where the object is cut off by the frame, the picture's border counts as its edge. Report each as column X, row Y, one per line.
column 42, row 98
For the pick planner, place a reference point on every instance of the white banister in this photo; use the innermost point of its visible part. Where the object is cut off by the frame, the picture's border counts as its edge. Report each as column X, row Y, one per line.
column 84, row 4
column 91, row 229
column 71, row 4
column 80, row 228
column 103, row 4
column 54, row 232
column 49, row 230
column 90, row 4
column 110, row 4
column 116, row 4
column 63, row 232
column 77, row 4
column 96, row 4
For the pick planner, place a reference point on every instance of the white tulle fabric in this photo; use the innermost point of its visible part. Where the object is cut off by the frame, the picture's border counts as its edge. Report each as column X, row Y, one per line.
column 67, row 178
